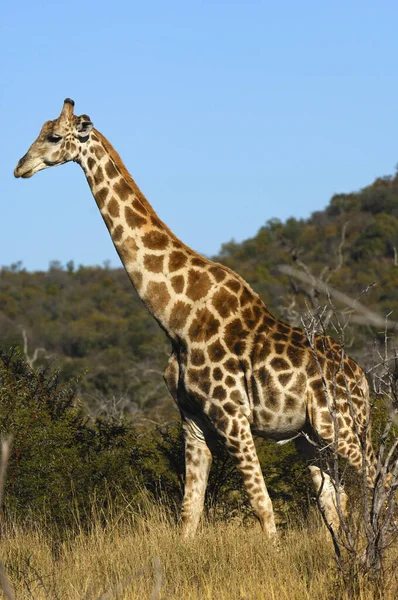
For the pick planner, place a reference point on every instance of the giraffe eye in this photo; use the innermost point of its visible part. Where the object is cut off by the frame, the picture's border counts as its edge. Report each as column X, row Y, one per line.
column 54, row 138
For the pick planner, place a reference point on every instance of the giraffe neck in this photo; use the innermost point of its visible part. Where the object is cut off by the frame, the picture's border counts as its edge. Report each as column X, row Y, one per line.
column 154, row 259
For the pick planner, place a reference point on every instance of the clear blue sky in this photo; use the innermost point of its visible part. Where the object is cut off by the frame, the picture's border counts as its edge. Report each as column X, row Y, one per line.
column 227, row 113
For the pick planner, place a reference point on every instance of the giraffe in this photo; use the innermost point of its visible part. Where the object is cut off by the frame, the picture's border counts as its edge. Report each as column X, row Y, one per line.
column 234, row 371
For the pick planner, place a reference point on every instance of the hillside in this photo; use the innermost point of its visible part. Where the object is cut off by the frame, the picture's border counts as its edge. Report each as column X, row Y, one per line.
column 88, row 320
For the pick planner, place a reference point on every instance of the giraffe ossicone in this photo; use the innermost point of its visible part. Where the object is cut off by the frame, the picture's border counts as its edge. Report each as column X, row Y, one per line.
column 234, row 370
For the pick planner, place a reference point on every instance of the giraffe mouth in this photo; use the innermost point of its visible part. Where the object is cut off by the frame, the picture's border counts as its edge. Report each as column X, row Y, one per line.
column 26, row 175
column 26, row 169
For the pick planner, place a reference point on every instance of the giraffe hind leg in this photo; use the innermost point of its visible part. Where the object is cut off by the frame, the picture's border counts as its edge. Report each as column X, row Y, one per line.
column 330, row 502
column 198, row 461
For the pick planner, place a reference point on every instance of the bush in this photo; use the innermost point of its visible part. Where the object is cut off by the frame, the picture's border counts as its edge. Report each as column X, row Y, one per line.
column 61, row 459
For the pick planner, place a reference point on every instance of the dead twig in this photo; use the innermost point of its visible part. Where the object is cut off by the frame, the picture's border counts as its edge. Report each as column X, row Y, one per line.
column 366, row 316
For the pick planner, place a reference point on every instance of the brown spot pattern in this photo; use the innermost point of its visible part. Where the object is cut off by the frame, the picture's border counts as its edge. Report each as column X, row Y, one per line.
column 298, row 337
column 200, row 378
column 178, row 317
column 280, row 364
column 299, row 386
column 108, row 221
column 156, row 222
column 128, row 250
column 111, row 170
column 218, row 273
column 280, row 337
column 198, row 357
column 215, row 413
column 283, row 328
column 177, row 260
column 236, row 396
column 216, row 351
column 117, row 234
column 225, row 303
column 295, row 355
column 153, row 263
column 219, row 393
column 137, row 279
column 99, row 151
column 230, row 381
column 284, row 378
column 157, row 295
column 133, row 219
column 178, row 282
column 113, row 207
column 251, row 316
column 217, row 374
column 245, row 296
column 230, row 408
column 233, row 284
column 139, row 207
column 235, row 335
column 198, row 284
column 100, row 196
column 198, row 262
column 204, row 326
column 98, row 176
column 155, row 240
column 122, row 189
column 290, row 402
column 265, row 349
column 232, row 365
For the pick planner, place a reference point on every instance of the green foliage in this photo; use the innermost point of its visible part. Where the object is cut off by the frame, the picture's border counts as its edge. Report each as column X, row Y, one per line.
column 88, row 321
column 61, row 460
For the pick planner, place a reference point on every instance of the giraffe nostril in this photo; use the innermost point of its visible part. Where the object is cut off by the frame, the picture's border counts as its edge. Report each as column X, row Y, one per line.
column 21, row 162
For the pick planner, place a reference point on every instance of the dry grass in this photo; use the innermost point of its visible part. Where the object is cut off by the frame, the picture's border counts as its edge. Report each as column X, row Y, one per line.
column 140, row 556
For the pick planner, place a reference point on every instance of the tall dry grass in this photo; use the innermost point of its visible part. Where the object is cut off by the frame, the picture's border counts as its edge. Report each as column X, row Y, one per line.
column 138, row 554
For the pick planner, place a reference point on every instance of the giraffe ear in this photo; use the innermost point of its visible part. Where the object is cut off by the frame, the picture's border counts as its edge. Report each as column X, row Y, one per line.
column 83, row 126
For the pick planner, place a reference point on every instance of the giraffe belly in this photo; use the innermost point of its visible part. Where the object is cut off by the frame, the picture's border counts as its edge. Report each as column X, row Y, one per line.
column 279, row 418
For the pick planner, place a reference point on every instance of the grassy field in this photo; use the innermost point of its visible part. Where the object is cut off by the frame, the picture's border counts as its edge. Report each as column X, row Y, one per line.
column 134, row 555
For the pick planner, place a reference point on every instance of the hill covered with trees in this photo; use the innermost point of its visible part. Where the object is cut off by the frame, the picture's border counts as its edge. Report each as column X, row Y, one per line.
column 90, row 324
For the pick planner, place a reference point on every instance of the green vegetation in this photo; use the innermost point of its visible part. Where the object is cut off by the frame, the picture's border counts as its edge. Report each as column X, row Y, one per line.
column 88, row 324
column 88, row 320
column 97, row 459
column 62, row 460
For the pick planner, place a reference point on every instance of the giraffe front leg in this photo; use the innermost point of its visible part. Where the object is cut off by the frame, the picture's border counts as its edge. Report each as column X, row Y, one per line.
column 241, row 447
column 198, row 460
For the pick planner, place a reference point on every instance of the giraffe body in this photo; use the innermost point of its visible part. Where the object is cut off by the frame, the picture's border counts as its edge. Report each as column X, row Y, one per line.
column 234, row 370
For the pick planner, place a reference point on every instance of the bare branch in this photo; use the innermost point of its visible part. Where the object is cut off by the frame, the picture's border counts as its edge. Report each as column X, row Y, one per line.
column 340, row 262
column 370, row 317
column 30, row 359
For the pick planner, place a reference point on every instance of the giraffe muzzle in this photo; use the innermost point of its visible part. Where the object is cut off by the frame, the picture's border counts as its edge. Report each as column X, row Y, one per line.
column 23, row 168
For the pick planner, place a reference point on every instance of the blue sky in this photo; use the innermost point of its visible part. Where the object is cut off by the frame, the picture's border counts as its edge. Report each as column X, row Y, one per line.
column 226, row 113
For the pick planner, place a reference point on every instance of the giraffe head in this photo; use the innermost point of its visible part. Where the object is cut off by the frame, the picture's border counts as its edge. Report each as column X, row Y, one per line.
column 59, row 141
